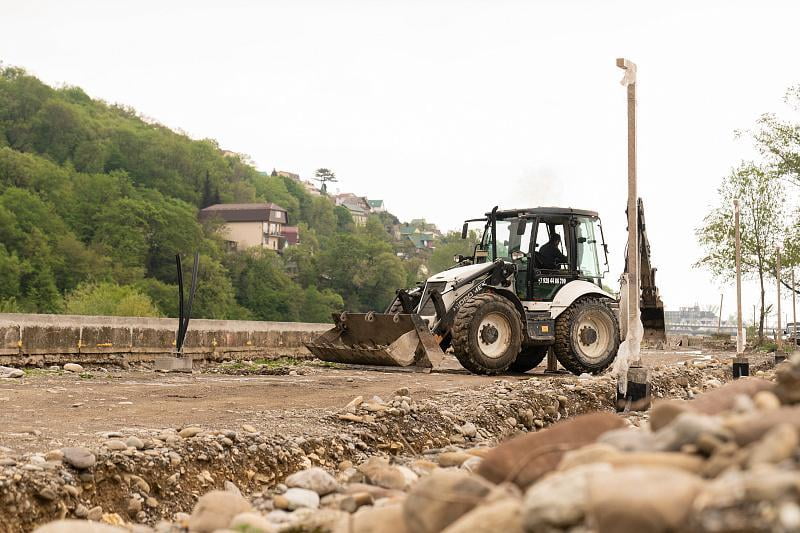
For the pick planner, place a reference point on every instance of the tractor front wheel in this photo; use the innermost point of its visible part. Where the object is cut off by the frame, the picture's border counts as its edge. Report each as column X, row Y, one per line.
column 487, row 334
column 587, row 336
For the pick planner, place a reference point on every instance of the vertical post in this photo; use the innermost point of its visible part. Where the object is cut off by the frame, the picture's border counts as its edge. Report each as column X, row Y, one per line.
column 794, row 313
column 637, row 386
column 779, row 354
column 719, row 318
column 741, row 366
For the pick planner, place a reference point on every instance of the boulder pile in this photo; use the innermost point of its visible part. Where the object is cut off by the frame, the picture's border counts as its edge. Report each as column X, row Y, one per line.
column 727, row 460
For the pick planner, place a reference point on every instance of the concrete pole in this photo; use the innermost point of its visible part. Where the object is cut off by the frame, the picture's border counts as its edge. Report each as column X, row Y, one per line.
column 633, row 212
column 739, row 328
column 794, row 313
column 719, row 318
column 779, row 338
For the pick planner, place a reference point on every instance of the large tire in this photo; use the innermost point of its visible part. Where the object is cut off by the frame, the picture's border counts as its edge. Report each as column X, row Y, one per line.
column 587, row 336
column 487, row 334
column 529, row 358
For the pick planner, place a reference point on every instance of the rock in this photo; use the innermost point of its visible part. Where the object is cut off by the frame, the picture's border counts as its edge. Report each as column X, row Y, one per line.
column 777, row 445
column 469, row 430
column 251, row 522
column 410, row 476
column 665, row 411
column 215, row 510
column 80, row 458
column 95, row 513
column 189, row 432
column 298, row 498
column 525, row 459
column 115, row 445
column 328, row 520
column 440, row 499
column 379, row 472
column 353, row 404
column 134, row 506
column 247, row 428
column 135, row 442
column 453, row 458
column 749, row 428
column 78, row 526
column 766, row 401
column 54, row 456
column 503, row 515
column 315, row 479
column 230, row 486
column 788, row 378
column 73, row 367
column 687, row 428
column 47, row 494
column 375, row 492
column 559, row 500
column 723, row 398
column 387, row 519
column 636, row 499
column 9, row 372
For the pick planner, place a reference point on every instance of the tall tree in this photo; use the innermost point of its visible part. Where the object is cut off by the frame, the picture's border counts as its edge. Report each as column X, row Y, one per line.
column 324, row 175
column 762, row 222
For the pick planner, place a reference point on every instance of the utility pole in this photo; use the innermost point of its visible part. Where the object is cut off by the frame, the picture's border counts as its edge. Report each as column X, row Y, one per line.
column 794, row 313
column 741, row 366
column 637, row 391
column 719, row 318
column 779, row 355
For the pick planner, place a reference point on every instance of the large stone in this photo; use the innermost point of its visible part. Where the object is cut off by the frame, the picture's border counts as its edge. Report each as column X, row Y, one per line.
column 525, row 459
column 603, row 453
column 779, row 444
column 632, row 500
column 315, row 479
column 80, row 458
column 629, row 439
column 78, row 526
column 750, row 428
column 665, row 411
column 687, row 428
column 298, row 498
column 379, row 472
column 503, row 515
column 9, row 372
column 559, row 500
column 440, row 499
column 723, row 398
column 252, row 522
column 788, row 378
column 387, row 519
column 73, row 367
column 215, row 510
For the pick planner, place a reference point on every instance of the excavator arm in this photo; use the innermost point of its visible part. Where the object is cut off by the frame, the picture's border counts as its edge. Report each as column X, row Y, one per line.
column 650, row 305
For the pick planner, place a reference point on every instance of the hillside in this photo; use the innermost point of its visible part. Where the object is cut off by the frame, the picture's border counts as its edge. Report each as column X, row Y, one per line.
column 95, row 202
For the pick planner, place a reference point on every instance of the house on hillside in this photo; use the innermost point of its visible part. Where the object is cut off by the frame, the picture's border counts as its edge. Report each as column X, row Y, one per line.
column 249, row 225
column 376, row 206
column 287, row 174
column 357, row 205
column 422, row 240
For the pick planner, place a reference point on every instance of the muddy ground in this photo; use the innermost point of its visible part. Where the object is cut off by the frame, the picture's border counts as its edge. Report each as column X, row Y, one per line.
column 252, row 425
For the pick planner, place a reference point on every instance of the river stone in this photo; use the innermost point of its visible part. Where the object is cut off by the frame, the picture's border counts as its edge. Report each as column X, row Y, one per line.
column 386, row 519
column 9, row 372
column 665, row 411
column 77, row 526
column 636, row 499
column 379, row 472
column 80, row 458
column 299, row 498
column 440, row 499
column 724, row 398
column 525, row 459
column 73, row 367
column 215, row 510
column 750, row 428
column 252, row 522
column 315, row 479
column 558, row 501
column 135, row 442
column 116, row 445
column 687, row 428
column 503, row 515
column 629, row 439
column 777, row 445
column 766, row 401
column 189, row 432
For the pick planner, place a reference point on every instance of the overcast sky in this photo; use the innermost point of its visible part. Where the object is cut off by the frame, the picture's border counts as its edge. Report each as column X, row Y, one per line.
column 445, row 109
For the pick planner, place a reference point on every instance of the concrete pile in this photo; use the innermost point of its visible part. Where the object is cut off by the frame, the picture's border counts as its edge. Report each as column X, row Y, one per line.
column 728, row 460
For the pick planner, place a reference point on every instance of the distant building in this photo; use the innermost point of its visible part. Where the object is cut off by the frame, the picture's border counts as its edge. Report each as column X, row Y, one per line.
column 291, row 235
column 357, row 205
column 311, row 188
column 422, row 240
column 249, row 225
column 286, row 174
column 376, row 206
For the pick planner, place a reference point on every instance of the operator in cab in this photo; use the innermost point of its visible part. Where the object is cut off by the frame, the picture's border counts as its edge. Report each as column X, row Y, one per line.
column 550, row 255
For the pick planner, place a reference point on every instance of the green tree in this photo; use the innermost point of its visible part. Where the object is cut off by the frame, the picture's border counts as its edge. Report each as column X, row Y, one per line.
column 109, row 299
column 762, row 222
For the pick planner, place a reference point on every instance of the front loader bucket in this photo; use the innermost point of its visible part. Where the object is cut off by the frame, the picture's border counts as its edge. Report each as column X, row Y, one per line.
column 378, row 339
column 653, row 324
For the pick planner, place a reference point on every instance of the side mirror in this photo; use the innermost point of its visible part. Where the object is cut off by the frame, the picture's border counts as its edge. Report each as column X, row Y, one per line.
column 458, row 258
column 464, row 229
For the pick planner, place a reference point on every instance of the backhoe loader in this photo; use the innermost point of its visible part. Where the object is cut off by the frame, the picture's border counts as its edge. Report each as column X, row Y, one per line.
column 503, row 307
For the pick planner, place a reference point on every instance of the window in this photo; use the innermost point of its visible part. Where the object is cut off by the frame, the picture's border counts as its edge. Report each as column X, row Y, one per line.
column 586, row 237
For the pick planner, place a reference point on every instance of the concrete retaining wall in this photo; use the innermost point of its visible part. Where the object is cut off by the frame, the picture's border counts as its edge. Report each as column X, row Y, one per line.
column 49, row 339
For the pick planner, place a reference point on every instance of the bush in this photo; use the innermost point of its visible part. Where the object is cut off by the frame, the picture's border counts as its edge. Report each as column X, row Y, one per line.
column 109, row 299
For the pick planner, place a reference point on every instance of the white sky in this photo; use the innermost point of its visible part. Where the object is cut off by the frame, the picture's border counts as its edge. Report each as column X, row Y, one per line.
column 445, row 109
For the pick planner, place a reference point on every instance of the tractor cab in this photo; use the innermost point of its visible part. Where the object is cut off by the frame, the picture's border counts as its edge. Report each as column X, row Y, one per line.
column 549, row 246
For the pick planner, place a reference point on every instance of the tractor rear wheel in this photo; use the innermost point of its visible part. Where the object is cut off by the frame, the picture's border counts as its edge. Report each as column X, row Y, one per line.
column 487, row 334
column 529, row 358
column 587, row 336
